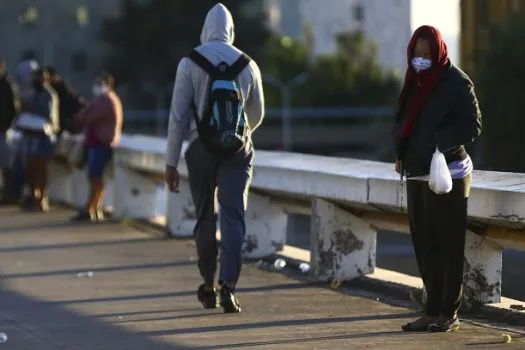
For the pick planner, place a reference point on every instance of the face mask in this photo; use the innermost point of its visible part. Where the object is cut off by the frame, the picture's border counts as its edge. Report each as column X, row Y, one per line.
column 421, row 64
column 99, row 89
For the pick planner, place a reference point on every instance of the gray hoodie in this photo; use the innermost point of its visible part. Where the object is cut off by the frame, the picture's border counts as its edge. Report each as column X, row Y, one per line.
column 192, row 83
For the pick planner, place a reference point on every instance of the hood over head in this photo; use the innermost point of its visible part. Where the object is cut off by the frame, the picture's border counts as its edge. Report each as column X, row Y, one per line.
column 25, row 70
column 438, row 47
column 218, row 26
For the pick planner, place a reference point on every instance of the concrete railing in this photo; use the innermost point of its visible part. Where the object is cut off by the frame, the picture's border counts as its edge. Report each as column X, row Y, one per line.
column 348, row 200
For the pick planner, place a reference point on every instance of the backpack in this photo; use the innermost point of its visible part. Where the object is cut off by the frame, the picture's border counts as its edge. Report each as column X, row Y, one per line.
column 222, row 129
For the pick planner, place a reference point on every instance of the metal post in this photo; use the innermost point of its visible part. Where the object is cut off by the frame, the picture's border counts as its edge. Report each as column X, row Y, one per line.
column 50, row 34
column 286, row 118
column 160, row 109
column 286, row 95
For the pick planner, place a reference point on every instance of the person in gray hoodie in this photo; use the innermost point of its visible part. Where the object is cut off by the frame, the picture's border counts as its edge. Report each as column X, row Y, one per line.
column 208, row 171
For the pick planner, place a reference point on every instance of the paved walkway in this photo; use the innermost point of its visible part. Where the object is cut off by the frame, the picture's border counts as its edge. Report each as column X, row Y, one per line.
column 141, row 296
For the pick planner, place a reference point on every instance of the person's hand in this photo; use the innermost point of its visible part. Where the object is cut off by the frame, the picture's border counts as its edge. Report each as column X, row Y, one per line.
column 398, row 166
column 172, row 179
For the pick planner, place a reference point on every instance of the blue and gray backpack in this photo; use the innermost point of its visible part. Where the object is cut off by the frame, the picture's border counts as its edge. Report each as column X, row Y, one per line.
column 222, row 129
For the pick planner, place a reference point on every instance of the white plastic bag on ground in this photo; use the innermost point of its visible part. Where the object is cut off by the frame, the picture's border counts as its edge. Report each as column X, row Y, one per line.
column 440, row 181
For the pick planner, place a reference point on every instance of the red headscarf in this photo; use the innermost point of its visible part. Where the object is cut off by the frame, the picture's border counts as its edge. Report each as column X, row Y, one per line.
column 423, row 81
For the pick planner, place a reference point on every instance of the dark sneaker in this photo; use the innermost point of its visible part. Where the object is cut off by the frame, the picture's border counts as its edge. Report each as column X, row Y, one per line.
column 83, row 216
column 27, row 201
column 29, row 205
column 208, row 299
column 229, row 302
column 445, row 325
column 419, row 325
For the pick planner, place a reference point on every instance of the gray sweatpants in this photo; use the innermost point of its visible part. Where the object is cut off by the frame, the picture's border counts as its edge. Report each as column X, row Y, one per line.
column 231, row 179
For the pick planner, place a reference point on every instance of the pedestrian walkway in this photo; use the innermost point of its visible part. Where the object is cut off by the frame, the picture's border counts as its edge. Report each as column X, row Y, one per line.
column 115, row 286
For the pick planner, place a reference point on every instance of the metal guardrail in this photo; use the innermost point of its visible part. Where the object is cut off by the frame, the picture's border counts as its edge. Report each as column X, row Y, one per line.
column 349, row 199
column 356, row 131
column 309, row 113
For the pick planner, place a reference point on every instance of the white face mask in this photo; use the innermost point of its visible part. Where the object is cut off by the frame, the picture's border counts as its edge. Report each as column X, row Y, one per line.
column 421, row 64
column 99, row 89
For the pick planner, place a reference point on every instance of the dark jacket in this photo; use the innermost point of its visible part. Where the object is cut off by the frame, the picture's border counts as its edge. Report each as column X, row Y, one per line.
column 450, row 119
column 69, row 104
column 44, row 104
column 8, row 104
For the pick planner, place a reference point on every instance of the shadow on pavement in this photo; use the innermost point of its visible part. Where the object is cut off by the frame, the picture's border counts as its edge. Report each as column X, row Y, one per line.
column 271, row 287
column 74, row 271
column 56, row 327
column 41, row 247
column 284, row 323
column 302, row 340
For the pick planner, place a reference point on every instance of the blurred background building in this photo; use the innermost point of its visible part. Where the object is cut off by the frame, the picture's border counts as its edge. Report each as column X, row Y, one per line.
column 57, row 32
column 387, row 23
column 66, row 32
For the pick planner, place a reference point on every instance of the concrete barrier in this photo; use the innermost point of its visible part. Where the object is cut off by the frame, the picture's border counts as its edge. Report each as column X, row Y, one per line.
column 348, row 201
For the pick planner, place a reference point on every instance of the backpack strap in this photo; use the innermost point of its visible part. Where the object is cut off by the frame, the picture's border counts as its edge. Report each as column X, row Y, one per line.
column 238, row 66
column 209, row 68
column 233, row 71
column 203, row 62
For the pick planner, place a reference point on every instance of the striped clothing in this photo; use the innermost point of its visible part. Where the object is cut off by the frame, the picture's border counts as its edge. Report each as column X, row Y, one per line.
column 461, row 168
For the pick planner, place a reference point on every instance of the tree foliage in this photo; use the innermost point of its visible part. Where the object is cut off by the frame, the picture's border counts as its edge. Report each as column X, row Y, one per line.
column 349, row 77
column 147, row 41
column 500, row 72
column 283, row 59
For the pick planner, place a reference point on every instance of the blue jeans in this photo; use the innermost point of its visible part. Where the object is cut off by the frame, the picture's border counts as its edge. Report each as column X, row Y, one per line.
column 97, row 160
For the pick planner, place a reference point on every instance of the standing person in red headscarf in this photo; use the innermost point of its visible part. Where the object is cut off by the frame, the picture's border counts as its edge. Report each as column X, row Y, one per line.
column 437, row 109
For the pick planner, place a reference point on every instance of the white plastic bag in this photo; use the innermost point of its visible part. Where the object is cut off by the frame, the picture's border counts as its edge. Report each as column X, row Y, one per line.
column 35, row 122
column 440, row 180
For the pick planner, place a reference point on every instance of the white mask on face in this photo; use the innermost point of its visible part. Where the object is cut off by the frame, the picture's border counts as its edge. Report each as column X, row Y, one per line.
column 421, row 64
column 99, row 89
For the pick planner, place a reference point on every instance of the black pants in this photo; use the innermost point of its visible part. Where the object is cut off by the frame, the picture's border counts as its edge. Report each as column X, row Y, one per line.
column 438, row 229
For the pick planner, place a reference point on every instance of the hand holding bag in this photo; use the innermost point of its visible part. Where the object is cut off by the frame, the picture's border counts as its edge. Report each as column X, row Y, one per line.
column 440, row 180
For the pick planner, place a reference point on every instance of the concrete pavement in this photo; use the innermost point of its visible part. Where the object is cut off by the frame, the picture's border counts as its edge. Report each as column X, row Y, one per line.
column 115, row 286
